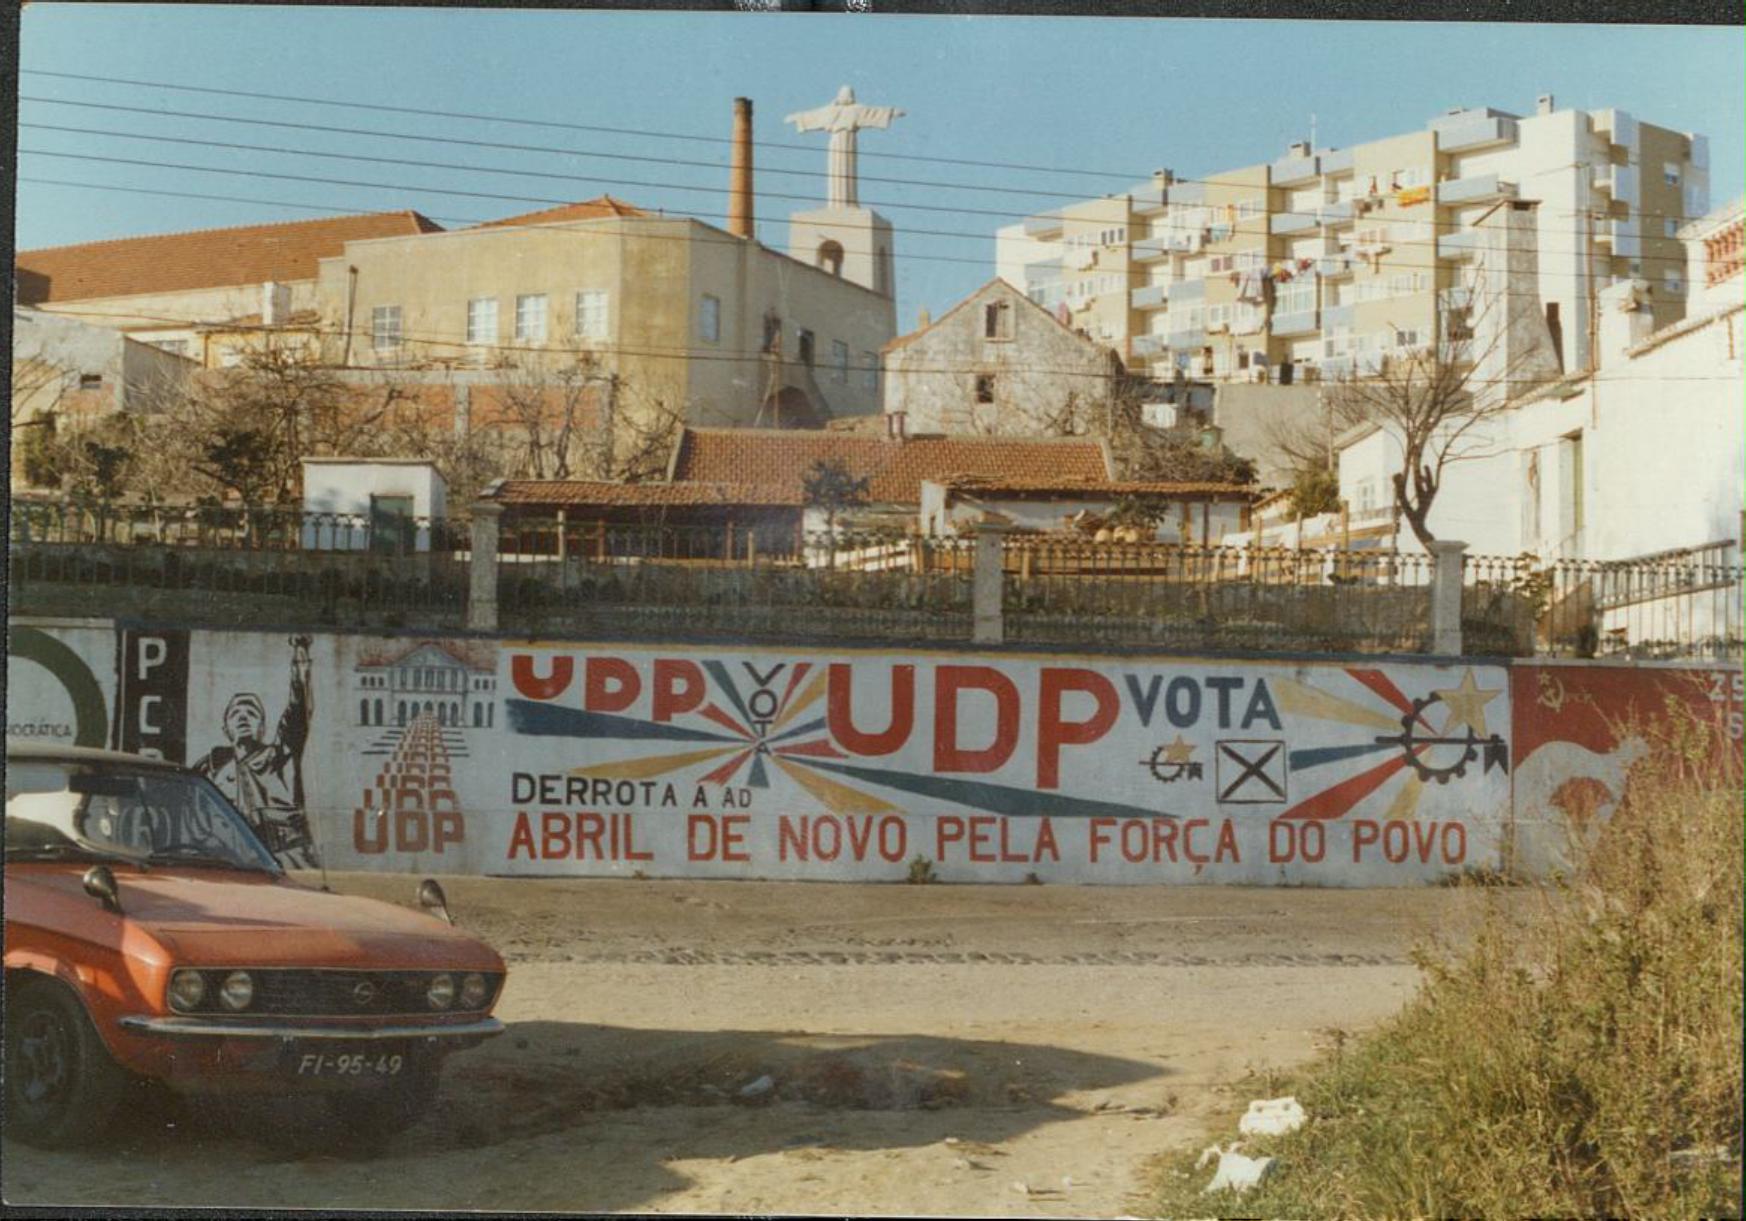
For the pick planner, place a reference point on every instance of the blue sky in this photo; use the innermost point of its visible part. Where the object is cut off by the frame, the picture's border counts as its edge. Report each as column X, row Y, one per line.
column 1117, row 96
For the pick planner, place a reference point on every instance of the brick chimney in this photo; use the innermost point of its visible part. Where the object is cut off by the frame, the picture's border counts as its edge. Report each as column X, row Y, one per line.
column 740, row 214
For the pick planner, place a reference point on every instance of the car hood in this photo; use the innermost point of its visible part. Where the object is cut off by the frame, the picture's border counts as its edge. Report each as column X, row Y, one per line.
column 230, row 917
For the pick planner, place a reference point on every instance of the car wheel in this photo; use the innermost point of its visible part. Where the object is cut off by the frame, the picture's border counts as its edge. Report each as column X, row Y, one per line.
column 62, row 1087
column 369, row 1118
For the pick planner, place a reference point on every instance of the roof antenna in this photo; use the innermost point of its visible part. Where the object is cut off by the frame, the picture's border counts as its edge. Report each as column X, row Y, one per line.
column 1312, row 134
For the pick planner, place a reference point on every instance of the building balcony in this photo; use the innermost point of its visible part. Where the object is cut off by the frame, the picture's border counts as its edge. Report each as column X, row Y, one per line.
column 1480, row 188
column 1293, row 222
column 1460, row 245
column 1150, row 345
column 1464, row 133
column 1335, row 317
column 1187, row 341
column 1289, row 170
column 1147, row 198
column 1336, row 212
column 1300, row 322
column 1336, row 161
column 1150, row 296
column 1046, row 224
column 1149, row 250
column 1186, row 290
column 1336, row 263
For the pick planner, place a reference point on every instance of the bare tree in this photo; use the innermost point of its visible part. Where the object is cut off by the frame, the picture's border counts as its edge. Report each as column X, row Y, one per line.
column 1440, row 400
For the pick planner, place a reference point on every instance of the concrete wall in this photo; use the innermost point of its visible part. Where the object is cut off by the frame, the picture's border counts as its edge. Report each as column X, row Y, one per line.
column 506, row 757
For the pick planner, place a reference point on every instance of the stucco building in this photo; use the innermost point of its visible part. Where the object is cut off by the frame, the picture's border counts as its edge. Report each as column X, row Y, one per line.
column 1319, row 263
column 700, row 323
column 998, row 363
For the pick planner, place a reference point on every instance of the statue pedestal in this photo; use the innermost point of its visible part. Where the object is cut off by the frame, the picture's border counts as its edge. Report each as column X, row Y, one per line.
column 854, row 243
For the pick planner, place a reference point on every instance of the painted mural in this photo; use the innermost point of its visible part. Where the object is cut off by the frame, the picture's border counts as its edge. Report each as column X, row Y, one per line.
column 477, row 756
column 1581, row 728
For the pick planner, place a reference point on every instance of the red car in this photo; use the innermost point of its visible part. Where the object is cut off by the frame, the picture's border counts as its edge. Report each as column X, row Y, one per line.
column 149, row 933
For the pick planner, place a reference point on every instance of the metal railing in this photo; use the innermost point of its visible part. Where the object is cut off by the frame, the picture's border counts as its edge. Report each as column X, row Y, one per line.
column 209, row 564
column 1171, row 595
column 1677, row 604
column 763, row 580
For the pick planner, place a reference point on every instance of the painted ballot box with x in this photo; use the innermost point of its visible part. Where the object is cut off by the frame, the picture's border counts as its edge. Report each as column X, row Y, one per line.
column 1251, row 771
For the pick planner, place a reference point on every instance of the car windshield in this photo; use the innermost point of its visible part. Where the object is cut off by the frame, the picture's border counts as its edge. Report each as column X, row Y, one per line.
column 112, row 811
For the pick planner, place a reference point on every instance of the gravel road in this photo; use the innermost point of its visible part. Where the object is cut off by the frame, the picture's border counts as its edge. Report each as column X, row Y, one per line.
column 784, row 1047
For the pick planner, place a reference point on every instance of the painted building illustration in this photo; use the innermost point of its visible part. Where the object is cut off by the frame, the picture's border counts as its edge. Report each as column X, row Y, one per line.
column 443, row 682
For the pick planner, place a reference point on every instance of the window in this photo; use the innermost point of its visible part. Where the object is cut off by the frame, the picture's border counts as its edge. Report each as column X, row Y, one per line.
column 90, row 381
column 1218, row 316
column 592, row 321
column 1249, row 209
column 530, row 317
column 385, row 327
column 870, row 361
column 1670, row 227
column 1670, row 173
column 1674, row 282
column 997, row 320
column 1408, row 337
column 1364, row 494
column 805, row 345
column 1297, row 297
column 772, row 333
column 482, row 320
column 839, row 361
column 709, row 319
column 177, row 346
column 985, row 387
column 1218, row 264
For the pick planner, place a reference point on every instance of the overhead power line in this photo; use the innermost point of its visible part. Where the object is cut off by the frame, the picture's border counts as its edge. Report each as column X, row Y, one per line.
column 460, row 141
column 554, row 123
column 1129, row 176
column 725, row 240
column 434, row 339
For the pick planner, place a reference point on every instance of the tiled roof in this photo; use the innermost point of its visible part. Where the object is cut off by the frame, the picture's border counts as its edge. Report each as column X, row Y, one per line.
column 598, row 208
column 200, row 258
column 894, row 469
column 573, row 493
column 1098, row 487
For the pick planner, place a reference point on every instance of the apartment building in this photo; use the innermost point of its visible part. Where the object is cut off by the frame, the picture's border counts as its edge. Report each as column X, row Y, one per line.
column 1320, row 263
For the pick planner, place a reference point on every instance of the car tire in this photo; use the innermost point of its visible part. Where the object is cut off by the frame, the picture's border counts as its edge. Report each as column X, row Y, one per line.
column 368, row 1119
column 62, row 1086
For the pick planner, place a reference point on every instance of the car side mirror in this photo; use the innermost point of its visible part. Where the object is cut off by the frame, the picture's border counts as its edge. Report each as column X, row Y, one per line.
column 100, row 884
column 433, row 900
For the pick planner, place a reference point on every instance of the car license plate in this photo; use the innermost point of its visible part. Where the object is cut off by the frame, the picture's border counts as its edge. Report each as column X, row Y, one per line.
column 350, row 1064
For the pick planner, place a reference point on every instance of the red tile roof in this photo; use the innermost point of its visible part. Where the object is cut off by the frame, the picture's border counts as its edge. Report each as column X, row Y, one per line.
column 597, row 208
column 200, row 258
column 1098, row 487
column 894, row 469
column 576, row 493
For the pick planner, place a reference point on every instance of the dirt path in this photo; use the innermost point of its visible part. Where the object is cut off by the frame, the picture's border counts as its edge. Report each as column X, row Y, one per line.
column 963, row 1050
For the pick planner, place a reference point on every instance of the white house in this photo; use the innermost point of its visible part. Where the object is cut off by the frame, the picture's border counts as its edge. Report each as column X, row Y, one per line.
column 1638, row 457
column 386, row 504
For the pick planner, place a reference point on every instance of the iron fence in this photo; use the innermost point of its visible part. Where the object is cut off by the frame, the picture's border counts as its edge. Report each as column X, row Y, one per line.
column 743, row 581
column 232, row 528
column 1191, row 596
column 1676, row 604
column 223, row 565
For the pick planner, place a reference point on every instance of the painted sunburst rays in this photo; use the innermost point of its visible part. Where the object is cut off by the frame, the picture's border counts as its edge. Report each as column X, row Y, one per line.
column 1405, row 731
column 758, row 727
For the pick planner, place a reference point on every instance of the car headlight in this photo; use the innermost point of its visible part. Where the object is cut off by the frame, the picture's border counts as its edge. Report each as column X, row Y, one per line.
column 474, row 991
column 237, row 991
column 187, row 990
column 441, row 992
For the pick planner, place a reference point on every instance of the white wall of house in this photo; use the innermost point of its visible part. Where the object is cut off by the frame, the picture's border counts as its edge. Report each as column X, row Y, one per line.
column 1644, row 456
column 354, row 486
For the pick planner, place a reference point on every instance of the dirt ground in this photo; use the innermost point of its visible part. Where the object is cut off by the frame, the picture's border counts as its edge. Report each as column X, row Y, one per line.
column 1015, row 1051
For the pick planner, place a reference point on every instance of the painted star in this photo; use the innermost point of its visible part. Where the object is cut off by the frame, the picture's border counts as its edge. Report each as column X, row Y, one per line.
column 1178, row 751
column 1466, row 704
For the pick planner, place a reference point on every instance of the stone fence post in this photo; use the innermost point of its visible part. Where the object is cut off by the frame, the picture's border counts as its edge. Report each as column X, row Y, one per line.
column 482, row 584
column 988, row 583
column 1446, row 557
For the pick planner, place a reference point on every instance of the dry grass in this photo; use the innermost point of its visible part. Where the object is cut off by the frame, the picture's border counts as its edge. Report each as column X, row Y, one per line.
column 1585, row 1061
